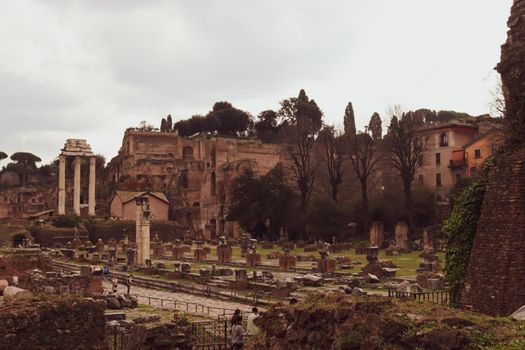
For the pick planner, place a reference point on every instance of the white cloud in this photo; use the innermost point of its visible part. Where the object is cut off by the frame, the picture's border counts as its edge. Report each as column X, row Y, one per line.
column 90, row 69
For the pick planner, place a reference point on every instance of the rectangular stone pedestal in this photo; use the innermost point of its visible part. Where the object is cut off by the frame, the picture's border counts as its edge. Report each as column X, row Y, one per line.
column 287, row 262
column 199, row 254
column 326, row 265
column 178, row 252
column 253, row 260
column 224, row 254
column 377, row 235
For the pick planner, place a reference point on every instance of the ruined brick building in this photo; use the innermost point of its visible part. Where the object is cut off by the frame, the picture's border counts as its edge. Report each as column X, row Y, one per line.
column 495, row 282
column 196, row 173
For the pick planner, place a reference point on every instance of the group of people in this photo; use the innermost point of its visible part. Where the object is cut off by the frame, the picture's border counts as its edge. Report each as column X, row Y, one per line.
column 238, row 334
column 114, row 280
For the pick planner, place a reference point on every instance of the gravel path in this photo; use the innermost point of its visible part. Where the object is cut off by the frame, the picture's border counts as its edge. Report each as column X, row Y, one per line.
column 208, row 307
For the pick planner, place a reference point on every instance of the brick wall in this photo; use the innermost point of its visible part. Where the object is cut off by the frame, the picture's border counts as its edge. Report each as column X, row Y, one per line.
column 496, row 273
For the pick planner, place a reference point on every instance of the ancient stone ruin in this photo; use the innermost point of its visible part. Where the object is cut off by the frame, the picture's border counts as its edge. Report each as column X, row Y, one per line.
column 496, row 274
column 77, row 149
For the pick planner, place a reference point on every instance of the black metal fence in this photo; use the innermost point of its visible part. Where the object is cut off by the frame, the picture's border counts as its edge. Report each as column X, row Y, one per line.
column 438, row 297
column 212, row 335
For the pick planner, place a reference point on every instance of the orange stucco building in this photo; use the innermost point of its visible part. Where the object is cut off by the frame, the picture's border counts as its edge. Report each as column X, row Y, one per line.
column 454, row 151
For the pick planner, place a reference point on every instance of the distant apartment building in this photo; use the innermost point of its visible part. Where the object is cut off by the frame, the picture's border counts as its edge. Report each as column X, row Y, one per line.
column 454, row 151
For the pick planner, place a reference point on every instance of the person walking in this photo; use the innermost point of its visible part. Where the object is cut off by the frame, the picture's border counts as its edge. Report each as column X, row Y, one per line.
column 238, row 334
column 251, row 328
column 105, row 272
column 114, row 284
column 129, row 280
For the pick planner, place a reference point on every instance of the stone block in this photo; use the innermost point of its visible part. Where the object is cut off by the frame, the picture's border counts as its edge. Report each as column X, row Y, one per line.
column 287, row 262
column 199, row 254
column 326, row 265
column 224, row 254
column 178, row 252
column 252, row 260
column 267, row 245
column 310, row 248
column 377, row 235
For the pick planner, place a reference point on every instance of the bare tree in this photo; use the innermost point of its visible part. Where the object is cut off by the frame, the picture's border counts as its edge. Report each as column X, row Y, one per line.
column 333, row 156
column 302, row 120
column 497, row 101
column 406, row 147
column 364, row 157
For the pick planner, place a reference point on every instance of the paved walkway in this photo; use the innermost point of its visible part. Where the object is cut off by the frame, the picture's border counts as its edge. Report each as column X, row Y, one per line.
column 208, row 307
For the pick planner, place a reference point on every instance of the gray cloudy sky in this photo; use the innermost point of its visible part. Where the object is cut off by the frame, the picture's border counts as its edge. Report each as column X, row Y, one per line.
column 89, row 69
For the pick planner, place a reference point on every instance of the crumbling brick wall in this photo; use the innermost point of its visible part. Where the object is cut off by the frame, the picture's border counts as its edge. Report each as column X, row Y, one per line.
column 496, row 274
column 17, row 264
column 54, row 324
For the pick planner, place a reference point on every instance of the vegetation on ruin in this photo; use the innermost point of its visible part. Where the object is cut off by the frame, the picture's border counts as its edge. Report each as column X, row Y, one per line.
column 336, row 321
column 66, row 221
column 223, row 119
column 458, row 232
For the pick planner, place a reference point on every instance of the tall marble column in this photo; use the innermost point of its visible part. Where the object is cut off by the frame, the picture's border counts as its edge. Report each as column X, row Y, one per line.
column 142, row 231
column 76, row 186
column 92, row 181
column 61, row 185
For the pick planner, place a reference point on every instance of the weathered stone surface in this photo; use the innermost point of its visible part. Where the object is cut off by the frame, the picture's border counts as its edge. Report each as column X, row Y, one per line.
column 62, row 324
column 147, row 319
column 14, row 293
column 3, row 285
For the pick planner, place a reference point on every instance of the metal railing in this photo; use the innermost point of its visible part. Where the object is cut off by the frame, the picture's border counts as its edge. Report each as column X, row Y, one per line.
column 186, row 306
column 438, row 297
column 213, row 335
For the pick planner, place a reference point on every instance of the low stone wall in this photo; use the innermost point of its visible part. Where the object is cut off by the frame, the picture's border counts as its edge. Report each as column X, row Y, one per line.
column 54, row 324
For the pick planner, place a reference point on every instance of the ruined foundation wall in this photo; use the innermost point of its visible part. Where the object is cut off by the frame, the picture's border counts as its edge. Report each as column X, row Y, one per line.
column 62, row 324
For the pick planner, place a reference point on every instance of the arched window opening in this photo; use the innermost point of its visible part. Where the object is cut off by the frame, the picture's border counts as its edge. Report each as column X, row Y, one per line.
column 213, row 156
column 184, row 180
column 213, row 228
column 443, row 140
column 213, row 184
column 187, row 153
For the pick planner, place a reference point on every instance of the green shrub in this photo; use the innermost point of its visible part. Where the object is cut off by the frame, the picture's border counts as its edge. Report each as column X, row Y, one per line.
column 66, row 221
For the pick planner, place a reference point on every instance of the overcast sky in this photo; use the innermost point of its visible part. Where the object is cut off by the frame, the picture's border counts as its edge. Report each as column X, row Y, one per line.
column 90, row 69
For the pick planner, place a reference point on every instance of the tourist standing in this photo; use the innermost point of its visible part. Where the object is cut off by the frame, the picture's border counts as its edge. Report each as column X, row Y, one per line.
column 238, row 334
column 105, row 272
column 236, row 316
column 129, row 280
column 251, row 328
